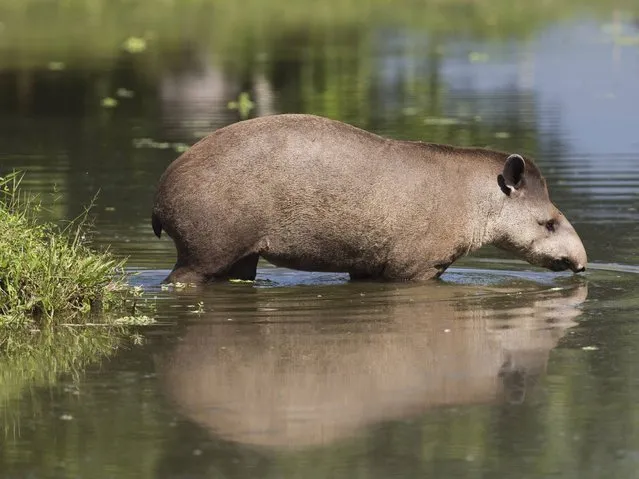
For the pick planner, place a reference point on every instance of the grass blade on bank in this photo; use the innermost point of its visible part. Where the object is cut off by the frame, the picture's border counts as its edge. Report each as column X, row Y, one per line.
column 48, row 274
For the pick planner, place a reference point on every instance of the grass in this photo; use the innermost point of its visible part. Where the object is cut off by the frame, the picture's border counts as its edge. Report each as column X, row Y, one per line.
column 49, row 275
column 63, row 306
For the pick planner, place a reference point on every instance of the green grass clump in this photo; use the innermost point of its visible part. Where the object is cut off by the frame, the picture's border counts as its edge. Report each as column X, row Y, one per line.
column 48, row 274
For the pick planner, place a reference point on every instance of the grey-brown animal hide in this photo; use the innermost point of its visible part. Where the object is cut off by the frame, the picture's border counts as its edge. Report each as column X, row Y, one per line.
column 316, row 378
column 309, row 193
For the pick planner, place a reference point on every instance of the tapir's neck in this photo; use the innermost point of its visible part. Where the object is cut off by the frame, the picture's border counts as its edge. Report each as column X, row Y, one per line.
column 482, row 227
column 487, row 204
column 471, row 192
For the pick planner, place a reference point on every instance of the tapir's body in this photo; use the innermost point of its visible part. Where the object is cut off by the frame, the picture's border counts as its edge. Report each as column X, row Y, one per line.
column 309, row 193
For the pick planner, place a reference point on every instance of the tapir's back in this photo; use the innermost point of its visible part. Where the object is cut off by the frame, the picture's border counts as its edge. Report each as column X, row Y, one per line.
column 291, row 167
column 294, row 147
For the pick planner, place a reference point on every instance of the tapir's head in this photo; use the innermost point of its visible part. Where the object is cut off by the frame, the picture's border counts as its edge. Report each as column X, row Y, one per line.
column 529, row 225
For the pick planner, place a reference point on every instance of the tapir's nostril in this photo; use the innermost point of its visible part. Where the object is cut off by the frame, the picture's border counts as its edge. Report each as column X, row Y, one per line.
column 576, row 266
column 566, row 263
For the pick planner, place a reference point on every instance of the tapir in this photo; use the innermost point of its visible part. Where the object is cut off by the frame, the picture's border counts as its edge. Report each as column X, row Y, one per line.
column 315, row 194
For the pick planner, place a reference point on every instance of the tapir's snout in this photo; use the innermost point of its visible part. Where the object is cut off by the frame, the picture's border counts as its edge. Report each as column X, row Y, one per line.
column 566, row 263
column 577, row 259
column 579, row 268
column 572, row 255
column 560, row 251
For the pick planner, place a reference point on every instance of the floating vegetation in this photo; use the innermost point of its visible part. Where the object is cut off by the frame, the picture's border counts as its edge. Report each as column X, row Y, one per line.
column 478, row 57
column 410, row 111
column 502, row 135
column 177, row 286
column 160, row 145
column 124, row 93
column 109, row 102
column 56, row 66
column 243, row 105
column 135, row 321
column 197, row 309
column 180, row 147
column 440, row 121
column 134, row 45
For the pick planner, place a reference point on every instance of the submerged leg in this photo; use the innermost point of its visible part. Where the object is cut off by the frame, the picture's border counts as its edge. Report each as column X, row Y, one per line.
column 358, row 276
column 184, row 274
column 244, row 269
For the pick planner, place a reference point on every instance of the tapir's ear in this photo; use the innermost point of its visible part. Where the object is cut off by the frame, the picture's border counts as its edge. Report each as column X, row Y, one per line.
column 512, row 177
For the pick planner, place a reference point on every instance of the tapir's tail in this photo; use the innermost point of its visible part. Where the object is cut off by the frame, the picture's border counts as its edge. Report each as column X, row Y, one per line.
column 157, row 225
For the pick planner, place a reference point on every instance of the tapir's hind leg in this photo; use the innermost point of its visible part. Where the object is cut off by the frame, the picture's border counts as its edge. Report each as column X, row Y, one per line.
column 244, row 269
column 206, row 253
column 185, row 275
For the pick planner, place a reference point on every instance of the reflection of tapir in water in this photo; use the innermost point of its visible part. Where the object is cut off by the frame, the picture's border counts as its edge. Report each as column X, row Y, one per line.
column 295, row 384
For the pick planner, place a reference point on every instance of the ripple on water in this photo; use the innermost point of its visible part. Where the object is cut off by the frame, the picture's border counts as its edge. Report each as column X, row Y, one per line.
column 285, row 295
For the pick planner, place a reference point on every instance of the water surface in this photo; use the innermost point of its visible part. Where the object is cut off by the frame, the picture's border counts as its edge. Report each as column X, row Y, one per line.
column 499, row 369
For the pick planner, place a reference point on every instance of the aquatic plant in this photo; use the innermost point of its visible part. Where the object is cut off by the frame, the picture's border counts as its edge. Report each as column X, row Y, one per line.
column 243, row 105
column 48, row 274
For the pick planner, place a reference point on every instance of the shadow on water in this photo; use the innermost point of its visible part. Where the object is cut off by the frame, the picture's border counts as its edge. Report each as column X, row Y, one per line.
column 292, row 369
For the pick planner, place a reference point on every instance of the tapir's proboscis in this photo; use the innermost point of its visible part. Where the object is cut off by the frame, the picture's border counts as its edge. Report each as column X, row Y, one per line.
column 309, row 193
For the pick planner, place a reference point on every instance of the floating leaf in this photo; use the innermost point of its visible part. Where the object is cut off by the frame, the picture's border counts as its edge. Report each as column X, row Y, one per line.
column 56, row 66
column 243, row 105
column 109, row 102
column 150, row 143
column 135, row 321
column 134, row 45
column 502, row 135
column 180, row 147
column 432, row 120
column 478, row 57
column 200, row 308
column 159, row 145
column 124, row 93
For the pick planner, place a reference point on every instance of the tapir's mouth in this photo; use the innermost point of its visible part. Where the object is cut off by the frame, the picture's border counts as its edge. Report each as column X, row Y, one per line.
column 565, row 263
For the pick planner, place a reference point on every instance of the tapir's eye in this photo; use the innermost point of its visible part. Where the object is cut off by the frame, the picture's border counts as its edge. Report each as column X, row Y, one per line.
column 551, row 225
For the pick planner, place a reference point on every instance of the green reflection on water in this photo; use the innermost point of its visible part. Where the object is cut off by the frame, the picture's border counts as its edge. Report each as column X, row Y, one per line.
column 38, row 358
column 42, row 32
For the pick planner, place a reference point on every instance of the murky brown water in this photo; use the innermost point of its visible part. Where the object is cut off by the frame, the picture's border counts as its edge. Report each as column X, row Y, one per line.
column 498, row 370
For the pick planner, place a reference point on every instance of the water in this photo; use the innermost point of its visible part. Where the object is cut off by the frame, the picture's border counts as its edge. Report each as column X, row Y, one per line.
column 498, row 370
